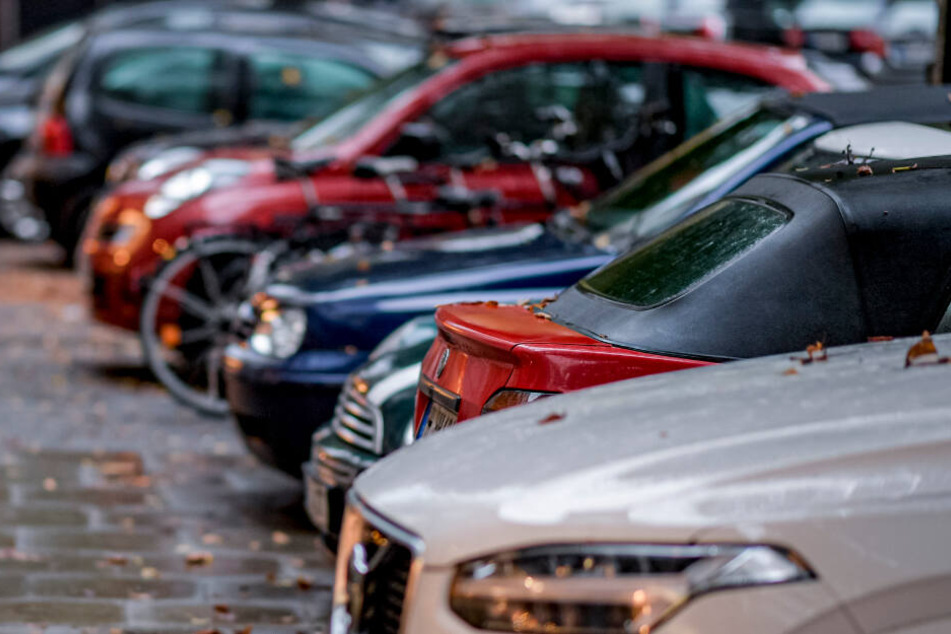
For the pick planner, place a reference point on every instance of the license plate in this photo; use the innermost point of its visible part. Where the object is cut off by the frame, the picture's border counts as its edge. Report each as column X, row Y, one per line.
column 318, row 507
column 829, row 42
column 436, row 419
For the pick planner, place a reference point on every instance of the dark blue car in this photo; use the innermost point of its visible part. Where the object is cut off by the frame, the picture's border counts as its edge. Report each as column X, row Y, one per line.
column 319, row 322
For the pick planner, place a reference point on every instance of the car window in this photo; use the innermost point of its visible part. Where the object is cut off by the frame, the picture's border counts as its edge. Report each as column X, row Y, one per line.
column 687, row 254
column 521, row 102
column 38, row 54
column 710, row 95
column 669, row 186
column 183, row 79
column 289, row 87
column 349, row 119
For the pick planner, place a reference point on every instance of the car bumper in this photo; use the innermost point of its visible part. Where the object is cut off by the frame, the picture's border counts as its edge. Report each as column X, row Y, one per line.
column 333, row 467
column 279, row 404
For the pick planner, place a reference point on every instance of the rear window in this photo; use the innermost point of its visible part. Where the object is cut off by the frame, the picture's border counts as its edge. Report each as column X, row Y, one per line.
column 687, row 254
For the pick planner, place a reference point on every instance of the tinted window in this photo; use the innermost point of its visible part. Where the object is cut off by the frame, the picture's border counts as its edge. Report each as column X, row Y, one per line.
column 287, row 87
column 711, row 95
column 515, row 102
column 349, row 119
column 687, row 254
column 678, row 171
column 184, row 79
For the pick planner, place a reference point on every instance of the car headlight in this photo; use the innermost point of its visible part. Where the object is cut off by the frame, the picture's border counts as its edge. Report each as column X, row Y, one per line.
column 192, row 183
column 279, row 332
column 167, row 161
column 608, row 589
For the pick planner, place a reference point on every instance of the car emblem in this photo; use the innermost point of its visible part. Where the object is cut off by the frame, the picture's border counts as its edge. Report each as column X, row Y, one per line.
column 443, row 360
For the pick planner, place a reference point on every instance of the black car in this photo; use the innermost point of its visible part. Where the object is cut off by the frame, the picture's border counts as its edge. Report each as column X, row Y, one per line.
column 238, row 65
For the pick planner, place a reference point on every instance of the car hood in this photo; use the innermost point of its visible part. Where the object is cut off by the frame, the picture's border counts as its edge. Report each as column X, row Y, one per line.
column 769, row 450
column 238, row 142
column 454, row 261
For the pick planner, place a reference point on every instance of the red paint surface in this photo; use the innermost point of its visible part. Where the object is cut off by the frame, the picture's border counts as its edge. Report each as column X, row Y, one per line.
column 495, row 347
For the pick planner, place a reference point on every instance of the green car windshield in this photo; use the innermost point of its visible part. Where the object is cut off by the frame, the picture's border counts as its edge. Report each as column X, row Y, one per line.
column 662, row 192
column 350, row 118
column 687, row 254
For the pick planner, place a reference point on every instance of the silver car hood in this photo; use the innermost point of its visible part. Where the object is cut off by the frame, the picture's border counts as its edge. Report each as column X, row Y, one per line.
column 768, row 450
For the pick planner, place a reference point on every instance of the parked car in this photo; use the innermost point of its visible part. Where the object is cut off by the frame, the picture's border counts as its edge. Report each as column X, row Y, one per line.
column 23, row 70
column 835, row 255
column 506, row 79
column 354, row 302
column 129, row 83
column 373, row 417
column 762, row 496
column 844, row 29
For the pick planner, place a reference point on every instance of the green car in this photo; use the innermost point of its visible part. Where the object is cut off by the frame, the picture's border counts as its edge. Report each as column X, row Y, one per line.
column 374, row 417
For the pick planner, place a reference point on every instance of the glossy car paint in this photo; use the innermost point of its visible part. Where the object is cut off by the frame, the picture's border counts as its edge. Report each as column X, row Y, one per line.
column 842, row 461
column 482, row 348
column 260, row 199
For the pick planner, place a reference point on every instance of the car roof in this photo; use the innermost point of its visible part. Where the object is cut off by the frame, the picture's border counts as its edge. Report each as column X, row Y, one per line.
column 887, row 140
column 865, row 252
column 248, row 18
column 928, row 104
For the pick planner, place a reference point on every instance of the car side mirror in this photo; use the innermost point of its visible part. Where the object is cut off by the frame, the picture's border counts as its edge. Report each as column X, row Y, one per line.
column 419, row 140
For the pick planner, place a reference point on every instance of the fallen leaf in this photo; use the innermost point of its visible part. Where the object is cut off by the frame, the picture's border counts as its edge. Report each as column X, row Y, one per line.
column 211, row 538
column 924, row 352
column 492, row 304
column 551, row 418
column 150, row 573
column 363, row 266
column 865, row 170
column 194, row 560
column 791, row 372
column 280, row 538
column 244, row 630
column 221, row 608
column 117, row 560
column 304, row 583
column 288, row 619
column 880, row 339
column 49, row 484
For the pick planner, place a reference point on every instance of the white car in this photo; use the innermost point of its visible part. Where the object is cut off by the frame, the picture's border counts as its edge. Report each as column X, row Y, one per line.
column 775, row 496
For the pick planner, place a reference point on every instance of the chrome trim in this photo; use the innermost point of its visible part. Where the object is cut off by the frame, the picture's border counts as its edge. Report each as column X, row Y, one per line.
column 358, row 421
column 439, row 394
column 400, row 535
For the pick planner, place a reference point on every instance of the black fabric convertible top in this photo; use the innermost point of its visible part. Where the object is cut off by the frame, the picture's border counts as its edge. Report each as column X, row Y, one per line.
column 863, row 255
column 920, row 104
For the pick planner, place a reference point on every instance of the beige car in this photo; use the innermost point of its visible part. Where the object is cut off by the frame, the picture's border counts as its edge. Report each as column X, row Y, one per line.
column 805, row 495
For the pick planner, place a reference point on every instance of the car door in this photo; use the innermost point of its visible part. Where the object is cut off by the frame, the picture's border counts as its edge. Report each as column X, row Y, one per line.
column 141, row 91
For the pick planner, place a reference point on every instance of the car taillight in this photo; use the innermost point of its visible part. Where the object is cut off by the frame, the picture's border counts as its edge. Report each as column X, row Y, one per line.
column 504, row 399
column 867, row 41
column 56, row 139
column 794, row 37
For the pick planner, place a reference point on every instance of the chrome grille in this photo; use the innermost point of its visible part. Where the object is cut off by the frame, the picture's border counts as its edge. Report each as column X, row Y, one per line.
column 357, row 421
column 378, row 575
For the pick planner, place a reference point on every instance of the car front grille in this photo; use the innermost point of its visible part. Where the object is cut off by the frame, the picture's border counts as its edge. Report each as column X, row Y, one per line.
column 357, row 421
column 378, row 572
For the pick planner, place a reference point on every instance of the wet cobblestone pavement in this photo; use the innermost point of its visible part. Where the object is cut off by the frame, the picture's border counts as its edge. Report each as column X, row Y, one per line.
column 121, row 511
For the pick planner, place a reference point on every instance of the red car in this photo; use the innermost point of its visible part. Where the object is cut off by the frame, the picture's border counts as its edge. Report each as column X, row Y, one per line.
column 584, row 89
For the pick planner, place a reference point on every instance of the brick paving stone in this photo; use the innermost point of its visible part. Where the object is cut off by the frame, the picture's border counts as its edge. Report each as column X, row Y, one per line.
column 64, row 612
column 203, row 615
column 42, row 516
column 110, row 541
column 12, row 586
column 99, row 587
column 102, row 497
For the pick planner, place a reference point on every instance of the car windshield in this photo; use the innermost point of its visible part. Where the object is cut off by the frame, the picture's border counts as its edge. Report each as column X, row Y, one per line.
column 349, row 119
column 38, row 54
column 687, row 254
column 660, row 194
